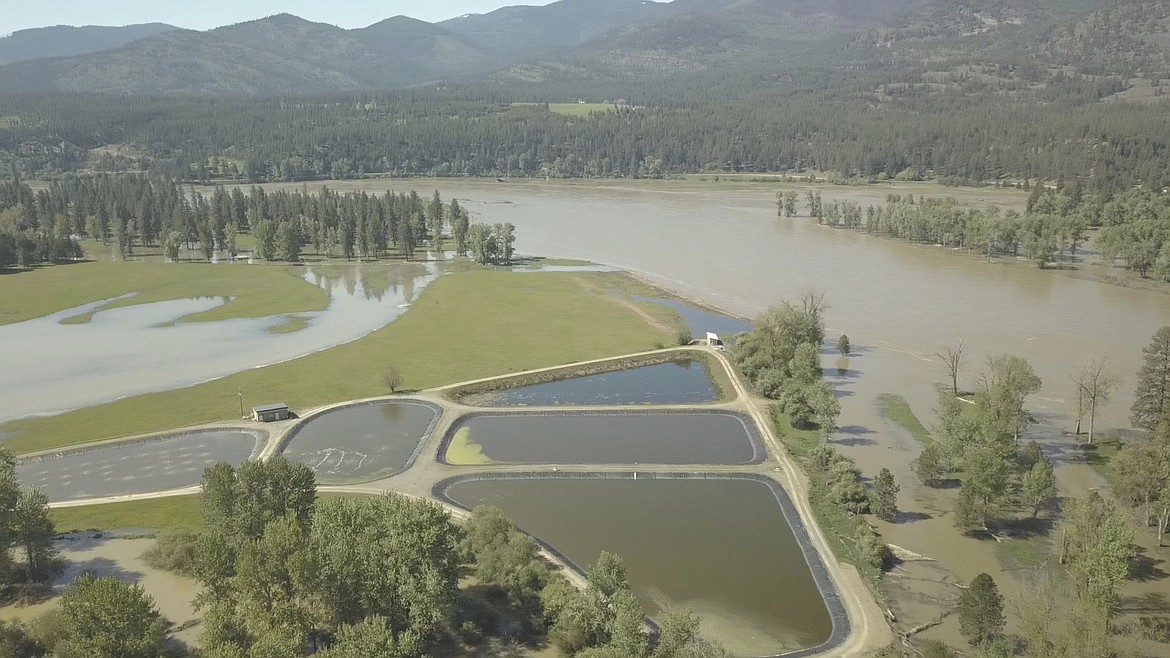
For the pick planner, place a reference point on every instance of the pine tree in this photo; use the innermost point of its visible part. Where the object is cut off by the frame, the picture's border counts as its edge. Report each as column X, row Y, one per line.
column 884, row 500
column 981, row 610
column 1153, row 387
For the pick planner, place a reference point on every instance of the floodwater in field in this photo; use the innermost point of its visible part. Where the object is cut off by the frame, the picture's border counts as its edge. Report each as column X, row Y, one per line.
column 606, row 438
column 699, row 321
column 137, row 349
column 720, row 547
column 363, row 442
column 136, row 467
column 677, row 382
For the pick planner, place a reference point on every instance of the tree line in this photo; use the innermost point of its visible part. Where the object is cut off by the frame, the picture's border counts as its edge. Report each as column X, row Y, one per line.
column 134, row 210
column 780, row 357
column 1134, row 225
column 479, row 132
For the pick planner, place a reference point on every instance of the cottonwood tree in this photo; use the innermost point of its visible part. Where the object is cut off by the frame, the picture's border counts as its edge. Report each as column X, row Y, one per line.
column 1094, row 386
column 981, row 610
column 1153, row 382
column 1056, row 623
column 106, row 617
column 1140, row 472
column 373, row 636
column 1008, row 381
column 1097, row 547
column 1038, row 485
column 34, row 534
column 789, row 203
column 952, row 358
column 984, row 490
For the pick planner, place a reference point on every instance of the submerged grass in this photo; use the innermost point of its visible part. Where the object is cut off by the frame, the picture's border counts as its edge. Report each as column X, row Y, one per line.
column 289, row 325
column 898, row 410
column 256, row 290
column 467, row 325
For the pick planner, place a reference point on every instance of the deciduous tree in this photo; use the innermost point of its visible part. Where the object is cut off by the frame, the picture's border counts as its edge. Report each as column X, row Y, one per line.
column 1094, row 386
column 952, row 358
column 104, row 617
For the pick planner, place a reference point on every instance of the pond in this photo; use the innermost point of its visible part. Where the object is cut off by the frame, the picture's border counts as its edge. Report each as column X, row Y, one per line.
column 677, row 382
column 362, row 442
column 720, row 547
column 137, row 467
column 146, row 348
column 634, row 437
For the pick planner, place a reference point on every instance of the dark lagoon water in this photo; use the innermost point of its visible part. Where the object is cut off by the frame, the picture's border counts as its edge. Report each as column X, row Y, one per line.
column 363, row 442
column 136, row 467
column 605, row 438
column 679, row 382
column 720, row 547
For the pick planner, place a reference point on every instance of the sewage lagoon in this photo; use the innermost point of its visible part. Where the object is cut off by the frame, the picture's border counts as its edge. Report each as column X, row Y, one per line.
column 361, row 442
column 686, row 381
column 722, row 547
column 136, row 467
column 633, row 437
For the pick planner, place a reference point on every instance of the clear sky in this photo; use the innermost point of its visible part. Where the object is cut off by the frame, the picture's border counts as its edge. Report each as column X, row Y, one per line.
column 206, row 14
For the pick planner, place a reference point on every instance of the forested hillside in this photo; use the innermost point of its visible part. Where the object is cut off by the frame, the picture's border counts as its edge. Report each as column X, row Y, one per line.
column 963, row 92
column 65, row 40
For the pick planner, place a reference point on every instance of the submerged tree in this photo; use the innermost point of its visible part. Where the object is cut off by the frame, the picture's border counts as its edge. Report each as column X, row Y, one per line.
column 884, row 500
column 1094, row 386
column 952, row 358
column 981, row 610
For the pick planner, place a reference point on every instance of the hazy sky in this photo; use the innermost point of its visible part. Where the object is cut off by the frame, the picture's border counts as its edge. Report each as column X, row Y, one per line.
column 207, row 14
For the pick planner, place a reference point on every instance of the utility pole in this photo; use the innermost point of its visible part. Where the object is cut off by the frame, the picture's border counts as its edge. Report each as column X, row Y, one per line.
column 240, row 395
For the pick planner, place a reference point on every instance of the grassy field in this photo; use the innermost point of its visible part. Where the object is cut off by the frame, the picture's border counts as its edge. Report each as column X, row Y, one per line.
column 578, row 109
column 581, row 109
column 898, row 410
column 258, row 290
column 467, row 325
column 170, row 513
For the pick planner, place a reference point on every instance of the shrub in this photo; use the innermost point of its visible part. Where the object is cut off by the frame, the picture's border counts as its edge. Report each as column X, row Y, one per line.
column 174, row 552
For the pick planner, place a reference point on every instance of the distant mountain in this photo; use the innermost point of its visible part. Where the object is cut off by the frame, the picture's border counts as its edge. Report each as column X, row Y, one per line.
column 278, row 55
column 64, row 40
column 526, row 32
column 1042, row 49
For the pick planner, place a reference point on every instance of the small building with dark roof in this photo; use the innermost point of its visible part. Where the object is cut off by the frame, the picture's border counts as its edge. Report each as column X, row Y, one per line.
column 269, row 413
